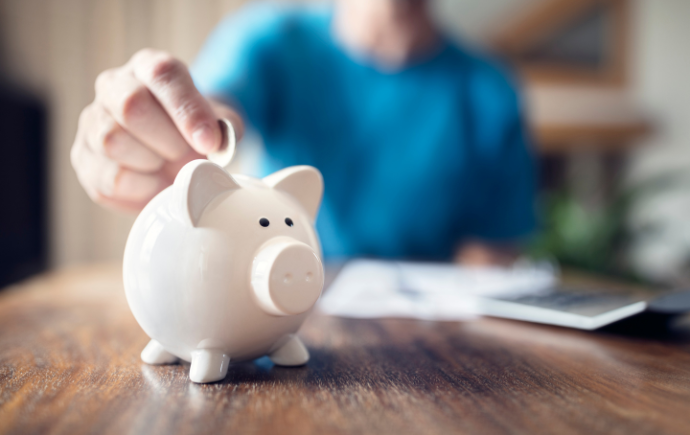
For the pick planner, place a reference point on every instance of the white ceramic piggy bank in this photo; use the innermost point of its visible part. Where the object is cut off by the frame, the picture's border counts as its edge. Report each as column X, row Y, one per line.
column 221, row 267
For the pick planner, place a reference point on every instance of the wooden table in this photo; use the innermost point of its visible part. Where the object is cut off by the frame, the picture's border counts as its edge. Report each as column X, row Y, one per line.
column 69, row 363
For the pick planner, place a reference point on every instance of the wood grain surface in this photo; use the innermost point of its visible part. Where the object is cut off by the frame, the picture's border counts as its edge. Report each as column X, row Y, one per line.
column 69, row 364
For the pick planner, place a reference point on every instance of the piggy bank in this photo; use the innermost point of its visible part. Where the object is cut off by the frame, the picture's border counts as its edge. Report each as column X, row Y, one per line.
column 220, row 267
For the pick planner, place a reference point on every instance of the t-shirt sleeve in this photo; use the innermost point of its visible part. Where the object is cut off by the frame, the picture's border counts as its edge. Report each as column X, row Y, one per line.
column 505, row 210
column 236, row 63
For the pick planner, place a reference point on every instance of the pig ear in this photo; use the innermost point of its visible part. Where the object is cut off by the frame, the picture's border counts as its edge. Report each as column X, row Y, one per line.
column 303, row 183
column 196, row 185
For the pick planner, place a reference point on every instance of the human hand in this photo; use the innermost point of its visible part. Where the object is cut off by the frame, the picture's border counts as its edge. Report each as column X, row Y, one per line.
column 146, row 122
column 478, row 254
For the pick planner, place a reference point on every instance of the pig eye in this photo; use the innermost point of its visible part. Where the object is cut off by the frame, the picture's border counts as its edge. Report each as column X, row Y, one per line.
column 264, row 222
column 289, row 222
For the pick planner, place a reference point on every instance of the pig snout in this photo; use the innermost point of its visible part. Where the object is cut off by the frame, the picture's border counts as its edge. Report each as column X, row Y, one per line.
column 287, row 277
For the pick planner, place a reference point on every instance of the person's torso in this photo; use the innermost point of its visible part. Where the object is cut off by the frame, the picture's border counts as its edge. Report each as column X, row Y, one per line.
column 400, row 152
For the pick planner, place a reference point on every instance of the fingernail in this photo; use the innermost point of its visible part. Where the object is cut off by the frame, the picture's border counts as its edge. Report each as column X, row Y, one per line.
column 204, row 139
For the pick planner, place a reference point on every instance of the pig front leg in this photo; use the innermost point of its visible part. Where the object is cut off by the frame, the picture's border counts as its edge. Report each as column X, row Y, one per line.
column 291, row 353
column 208, row 365
column 154, row 353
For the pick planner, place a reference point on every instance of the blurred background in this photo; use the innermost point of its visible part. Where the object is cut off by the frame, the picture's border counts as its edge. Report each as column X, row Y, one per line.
column 606, row 84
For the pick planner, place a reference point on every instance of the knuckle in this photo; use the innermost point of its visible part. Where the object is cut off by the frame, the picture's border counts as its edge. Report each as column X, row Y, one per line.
column 109, row 141
column 176, row 154
column 99, row 191
column 166, row 69
column 84, row 117
column 144, row 53
column 190, row 112
column 151, row 166
column 157, row 165
column 106, row 180
column 104, row 79
column 134, row 104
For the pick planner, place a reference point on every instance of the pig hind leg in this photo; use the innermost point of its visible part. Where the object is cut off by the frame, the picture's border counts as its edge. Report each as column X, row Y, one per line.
column 154, row 353
column 291, row 353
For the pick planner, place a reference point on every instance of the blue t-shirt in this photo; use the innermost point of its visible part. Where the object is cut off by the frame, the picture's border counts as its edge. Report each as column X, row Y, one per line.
column 414, row 162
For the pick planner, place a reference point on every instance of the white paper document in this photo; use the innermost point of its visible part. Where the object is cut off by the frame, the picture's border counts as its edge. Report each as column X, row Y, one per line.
column 374, row 289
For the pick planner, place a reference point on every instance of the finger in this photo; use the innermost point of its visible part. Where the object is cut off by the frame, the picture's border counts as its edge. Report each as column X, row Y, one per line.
column 128, row 152
column 133, row 106
column 106, row 137
column 121, row 205
column 169, row 81
column 104, row 178
column 86, row 167
column 135, row 186
column 171, row 169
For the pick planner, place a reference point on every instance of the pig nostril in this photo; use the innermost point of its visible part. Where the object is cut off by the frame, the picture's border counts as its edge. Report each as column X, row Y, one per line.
column 309, row 277
column 287, row 279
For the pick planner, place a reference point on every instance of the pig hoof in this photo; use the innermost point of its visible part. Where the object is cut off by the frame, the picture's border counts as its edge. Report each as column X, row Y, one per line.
column 292, row 353
column 208, row 365
column 155, row 354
